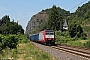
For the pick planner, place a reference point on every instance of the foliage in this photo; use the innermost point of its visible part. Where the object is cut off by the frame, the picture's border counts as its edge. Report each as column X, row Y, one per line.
column 54, row 19
column 81, row 16
column 21, row 38
column 75, row 30
column 87, row 44
column 62, row 37
column 7, row 27
column 11, row 41
column 5, row 20
column 65, row 33
column 60, row 10
column 86, row 29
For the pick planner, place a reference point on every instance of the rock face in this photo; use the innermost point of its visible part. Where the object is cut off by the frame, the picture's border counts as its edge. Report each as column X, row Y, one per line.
column 36, row 22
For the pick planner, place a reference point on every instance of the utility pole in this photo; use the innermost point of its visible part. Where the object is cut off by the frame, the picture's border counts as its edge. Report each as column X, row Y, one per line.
column 60, row 26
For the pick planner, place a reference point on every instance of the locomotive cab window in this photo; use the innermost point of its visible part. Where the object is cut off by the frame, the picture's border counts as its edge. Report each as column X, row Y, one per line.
column 49, row 33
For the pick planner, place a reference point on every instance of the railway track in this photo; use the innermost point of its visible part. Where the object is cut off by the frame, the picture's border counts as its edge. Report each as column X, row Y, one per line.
column 79, row 52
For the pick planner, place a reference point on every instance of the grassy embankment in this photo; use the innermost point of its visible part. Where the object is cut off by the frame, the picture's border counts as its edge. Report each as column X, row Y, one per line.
column 25, row 51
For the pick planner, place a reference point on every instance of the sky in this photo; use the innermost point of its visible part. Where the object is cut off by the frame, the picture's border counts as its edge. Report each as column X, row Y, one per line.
column 23, row 10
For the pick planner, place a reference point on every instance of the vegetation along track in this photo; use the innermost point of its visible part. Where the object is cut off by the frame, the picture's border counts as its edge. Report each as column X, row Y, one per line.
column 81, row 52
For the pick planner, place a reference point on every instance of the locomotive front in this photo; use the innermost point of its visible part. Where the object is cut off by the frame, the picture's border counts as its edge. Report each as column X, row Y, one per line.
column 50, row 37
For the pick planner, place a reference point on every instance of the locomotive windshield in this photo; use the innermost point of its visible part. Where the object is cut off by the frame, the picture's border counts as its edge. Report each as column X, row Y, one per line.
column 49, row 33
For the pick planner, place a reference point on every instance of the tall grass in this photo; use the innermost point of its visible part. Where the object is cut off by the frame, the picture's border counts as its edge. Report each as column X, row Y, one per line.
column 25, row 51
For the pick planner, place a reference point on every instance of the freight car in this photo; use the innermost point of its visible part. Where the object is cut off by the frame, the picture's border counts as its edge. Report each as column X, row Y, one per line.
column 46, row 36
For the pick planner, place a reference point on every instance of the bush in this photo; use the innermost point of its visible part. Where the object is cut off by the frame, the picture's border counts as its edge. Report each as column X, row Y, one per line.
column 65, row 34
column 1, row 42
column 83, row 36
column 87, row 44
column 58, row 32
column 11, row 41
column 62, row 37
column 75, row 30
column 22, row 38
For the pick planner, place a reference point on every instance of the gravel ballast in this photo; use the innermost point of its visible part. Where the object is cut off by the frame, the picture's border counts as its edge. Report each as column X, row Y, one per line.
column 59, row 55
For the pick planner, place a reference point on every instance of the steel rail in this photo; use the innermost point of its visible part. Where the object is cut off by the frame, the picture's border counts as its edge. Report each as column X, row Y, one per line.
column 77, row 52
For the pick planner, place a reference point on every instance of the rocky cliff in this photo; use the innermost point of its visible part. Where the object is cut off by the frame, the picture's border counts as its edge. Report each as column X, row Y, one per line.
column 36, row 22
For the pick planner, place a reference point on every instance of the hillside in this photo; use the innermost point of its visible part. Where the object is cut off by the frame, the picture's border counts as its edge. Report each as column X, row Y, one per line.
column 39, row 21
column 82, row 15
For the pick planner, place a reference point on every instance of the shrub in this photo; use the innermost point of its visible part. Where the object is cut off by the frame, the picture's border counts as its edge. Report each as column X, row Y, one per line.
column 65, row 33
column 10, row 41
column 83, row 36
column 62, row 37
column 75, row 30
column 22, row 38
column 1, row 42
column 87, row 44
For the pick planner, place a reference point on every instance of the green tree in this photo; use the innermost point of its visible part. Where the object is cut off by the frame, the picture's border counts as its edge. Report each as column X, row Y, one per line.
column 82, row 15
column 14, row 28
column 7, row 27
column 5, row 19
column 75, row 30
column 54, row 19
